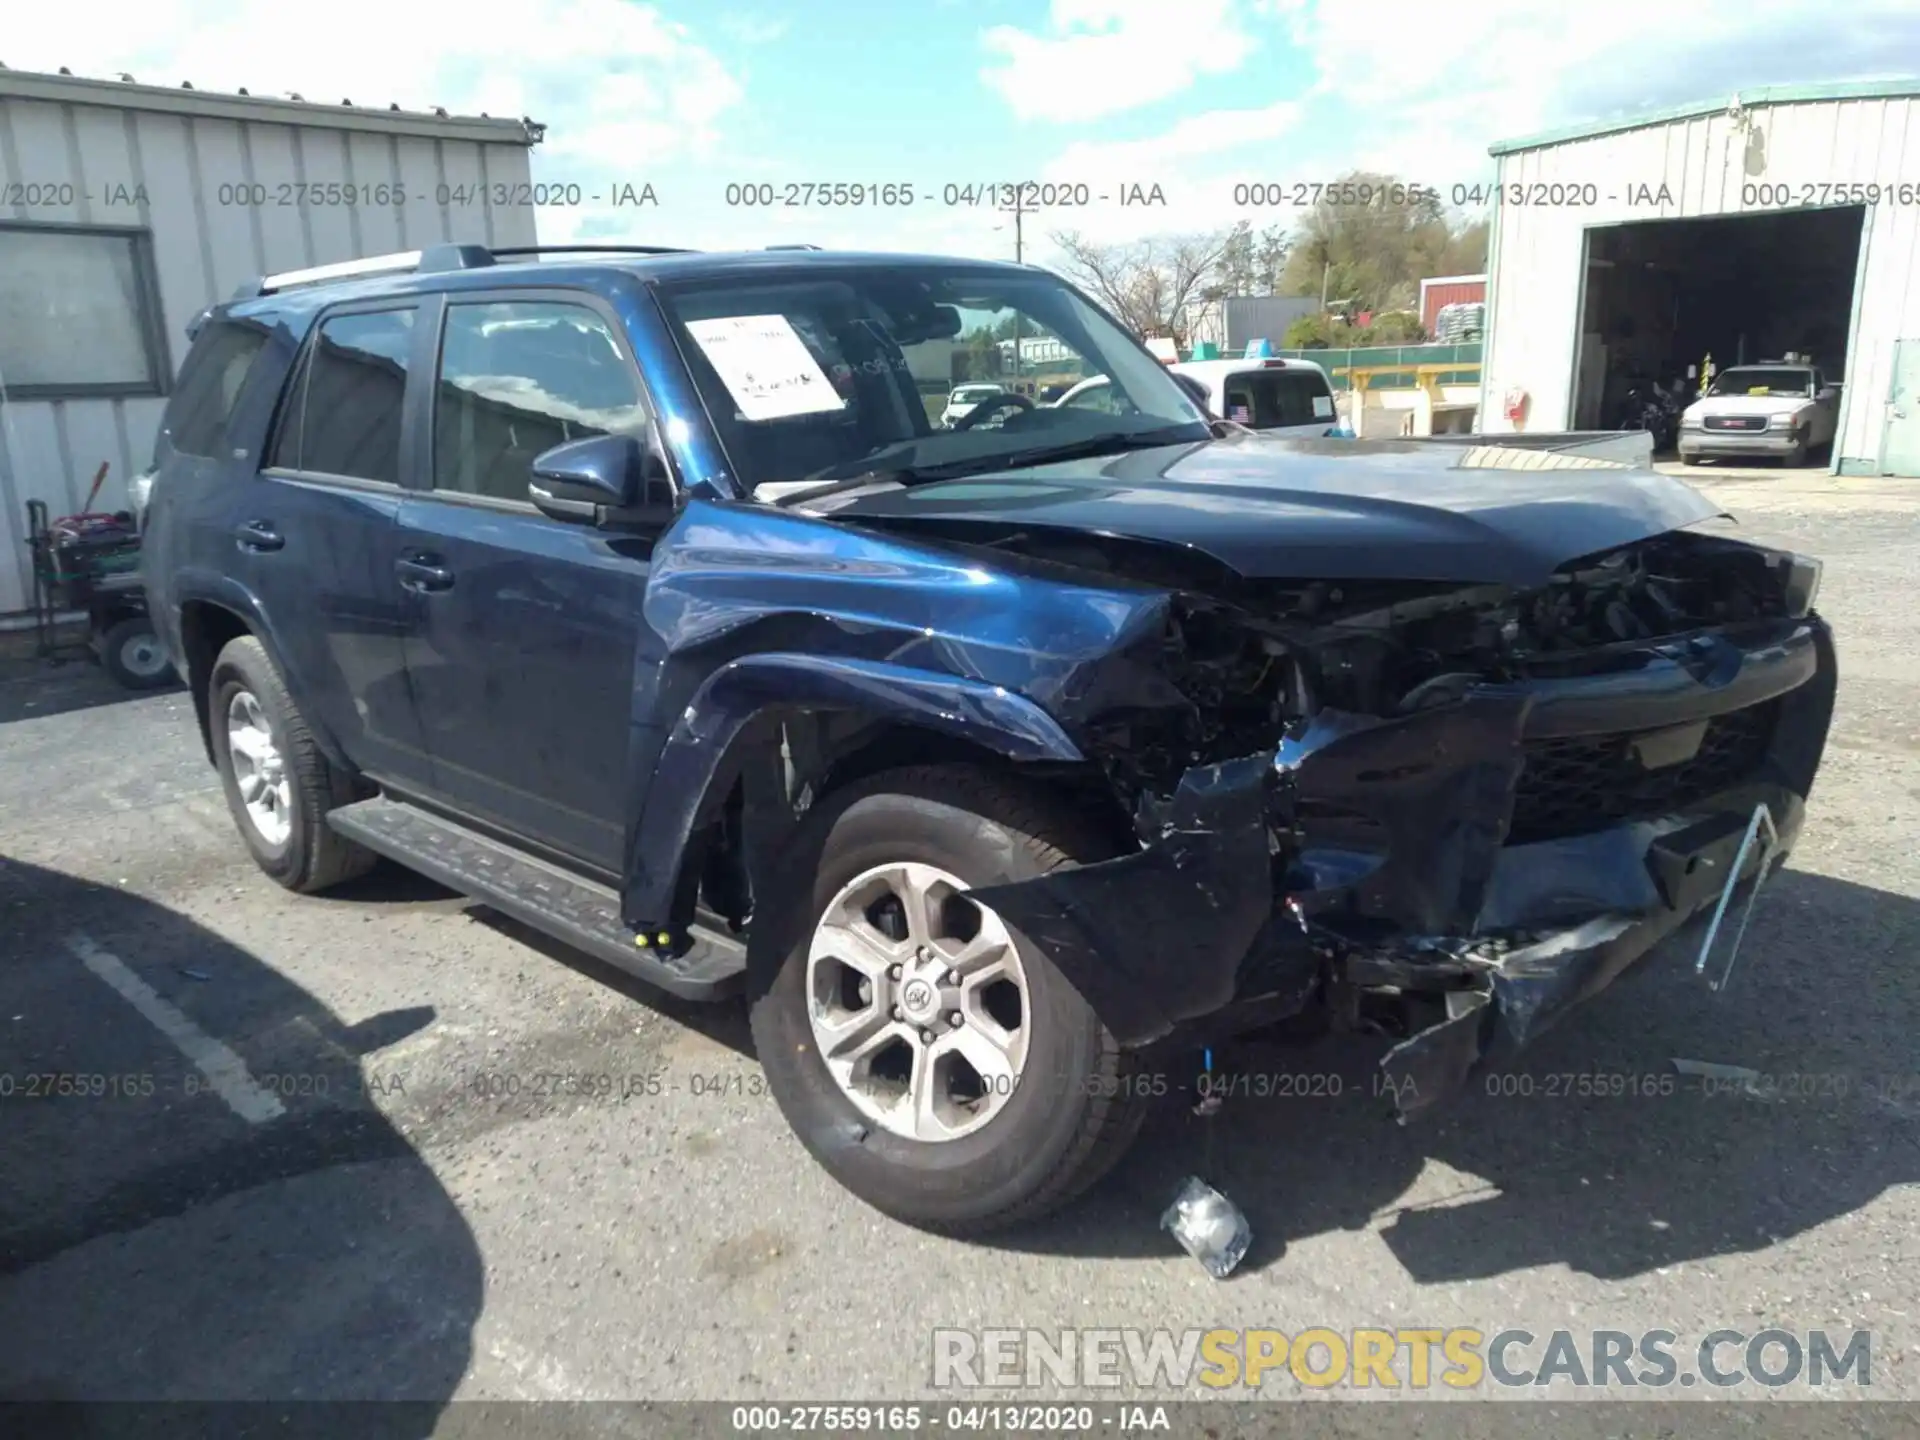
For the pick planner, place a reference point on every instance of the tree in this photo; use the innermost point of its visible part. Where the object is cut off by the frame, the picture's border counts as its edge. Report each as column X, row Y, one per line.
column 1270, row 253
column 979, row 357
column 1466, row 252
column 1396, row 327
column 1370, row 240
column 1150, row 284
column 1250, row 264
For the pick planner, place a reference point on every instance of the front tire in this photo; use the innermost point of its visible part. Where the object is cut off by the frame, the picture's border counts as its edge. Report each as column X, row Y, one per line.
column 279, row 785
column 925, row 1053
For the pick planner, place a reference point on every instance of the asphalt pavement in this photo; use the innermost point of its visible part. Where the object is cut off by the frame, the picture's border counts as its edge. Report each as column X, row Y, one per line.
column 384, row 1144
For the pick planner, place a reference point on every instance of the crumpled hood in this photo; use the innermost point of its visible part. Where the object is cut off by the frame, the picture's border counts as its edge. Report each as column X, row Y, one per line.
column 1316, row 509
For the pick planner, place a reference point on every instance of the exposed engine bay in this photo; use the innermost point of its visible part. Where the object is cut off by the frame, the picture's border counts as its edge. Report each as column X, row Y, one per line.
column 1452, row 811
column 1270, row 657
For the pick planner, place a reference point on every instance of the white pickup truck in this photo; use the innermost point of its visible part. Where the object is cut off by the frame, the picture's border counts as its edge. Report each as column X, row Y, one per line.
column 1285, row 397
column 1775, row 410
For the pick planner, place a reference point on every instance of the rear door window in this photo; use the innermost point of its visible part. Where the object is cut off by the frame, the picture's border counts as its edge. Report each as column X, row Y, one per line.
column 209, row 387
column 1273, row 399
column 348, row 396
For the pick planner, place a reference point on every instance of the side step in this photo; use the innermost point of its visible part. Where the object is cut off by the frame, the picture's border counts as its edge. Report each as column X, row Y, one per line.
column 566, row 906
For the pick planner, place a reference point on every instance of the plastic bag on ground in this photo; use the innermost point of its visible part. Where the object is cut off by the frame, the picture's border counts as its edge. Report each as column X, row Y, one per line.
column 1208, row 1226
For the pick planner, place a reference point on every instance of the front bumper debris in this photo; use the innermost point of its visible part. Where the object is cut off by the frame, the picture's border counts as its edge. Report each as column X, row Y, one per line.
column 1373, row 856
column 1502, row 1000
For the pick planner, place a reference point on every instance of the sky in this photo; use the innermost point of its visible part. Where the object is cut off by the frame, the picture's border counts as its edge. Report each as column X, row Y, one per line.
column 1195, row 97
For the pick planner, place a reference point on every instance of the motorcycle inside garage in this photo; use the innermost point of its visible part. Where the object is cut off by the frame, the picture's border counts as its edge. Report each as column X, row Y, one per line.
column 1663, row 295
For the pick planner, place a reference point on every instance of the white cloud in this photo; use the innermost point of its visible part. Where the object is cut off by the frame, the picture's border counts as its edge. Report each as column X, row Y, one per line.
column 1204, row 136
column 925, row 229
column 1195, row 164
column 753, row 29
column 1102, row 57
column 617, row 83
column 1486, row 71
column 1499, row 69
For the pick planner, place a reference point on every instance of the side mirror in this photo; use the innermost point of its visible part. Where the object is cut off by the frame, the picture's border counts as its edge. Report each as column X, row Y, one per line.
column 582, row 479
column 1196, row 390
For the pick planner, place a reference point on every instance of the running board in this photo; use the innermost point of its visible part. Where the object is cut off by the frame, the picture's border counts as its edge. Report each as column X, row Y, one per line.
column 568, row 907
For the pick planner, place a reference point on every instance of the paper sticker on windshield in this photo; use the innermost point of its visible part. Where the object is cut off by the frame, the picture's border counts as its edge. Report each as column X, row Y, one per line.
column 765, row 366
column 1759, row 389
column 1322, row 407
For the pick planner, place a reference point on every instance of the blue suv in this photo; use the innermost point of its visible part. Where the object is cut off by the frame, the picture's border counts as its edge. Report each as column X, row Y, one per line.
column 641, row 595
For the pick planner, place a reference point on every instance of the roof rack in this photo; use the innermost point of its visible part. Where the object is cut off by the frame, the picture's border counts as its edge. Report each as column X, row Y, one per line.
column 434, row 259
column 590, row 250
column 793, row 247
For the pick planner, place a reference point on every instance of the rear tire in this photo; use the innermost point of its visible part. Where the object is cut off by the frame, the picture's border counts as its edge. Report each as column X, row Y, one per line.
column 1017, row 1148
column 279, row 785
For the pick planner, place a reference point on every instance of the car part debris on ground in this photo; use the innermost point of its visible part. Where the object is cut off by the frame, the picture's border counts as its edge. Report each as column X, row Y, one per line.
column 1726, row 1077
column 1208, row 1226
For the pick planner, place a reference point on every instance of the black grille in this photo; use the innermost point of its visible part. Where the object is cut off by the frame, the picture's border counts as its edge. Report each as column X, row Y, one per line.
column 1736, row 422
column 1588, row 782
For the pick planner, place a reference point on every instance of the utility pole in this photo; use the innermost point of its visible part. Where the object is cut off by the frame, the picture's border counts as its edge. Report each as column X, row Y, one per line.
column 1019, row 213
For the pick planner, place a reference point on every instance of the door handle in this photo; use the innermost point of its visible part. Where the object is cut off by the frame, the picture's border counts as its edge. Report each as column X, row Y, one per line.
column 423, row 572
column 258, row 536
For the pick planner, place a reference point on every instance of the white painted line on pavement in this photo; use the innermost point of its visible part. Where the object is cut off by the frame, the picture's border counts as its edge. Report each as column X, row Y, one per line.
column 225, row 1071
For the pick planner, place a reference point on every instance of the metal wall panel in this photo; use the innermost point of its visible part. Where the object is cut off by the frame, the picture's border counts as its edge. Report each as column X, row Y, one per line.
column 221, row 197
column 1705, row 162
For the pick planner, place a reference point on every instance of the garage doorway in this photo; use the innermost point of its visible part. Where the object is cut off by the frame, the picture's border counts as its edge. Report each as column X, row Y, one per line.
column 1662, row 295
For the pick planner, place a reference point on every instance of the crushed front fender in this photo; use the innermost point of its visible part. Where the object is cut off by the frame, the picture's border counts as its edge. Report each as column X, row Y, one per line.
column 1379, row 854
column 1156, row 937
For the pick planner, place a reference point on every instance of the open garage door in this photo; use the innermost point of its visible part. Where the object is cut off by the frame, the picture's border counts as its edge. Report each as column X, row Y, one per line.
column 1662, row 295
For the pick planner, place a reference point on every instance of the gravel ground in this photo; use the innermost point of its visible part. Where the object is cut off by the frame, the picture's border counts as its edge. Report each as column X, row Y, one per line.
column 412, row 1210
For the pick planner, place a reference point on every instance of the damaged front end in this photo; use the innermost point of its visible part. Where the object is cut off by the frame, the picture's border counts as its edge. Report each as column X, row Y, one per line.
column 1448, row 814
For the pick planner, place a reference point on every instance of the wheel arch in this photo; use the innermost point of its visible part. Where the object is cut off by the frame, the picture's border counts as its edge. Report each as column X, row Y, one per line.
column 208, row 622
column 766, row 728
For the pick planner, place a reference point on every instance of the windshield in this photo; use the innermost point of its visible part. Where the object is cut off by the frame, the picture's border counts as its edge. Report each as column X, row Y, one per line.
column 826, row 372
column 1755, row 380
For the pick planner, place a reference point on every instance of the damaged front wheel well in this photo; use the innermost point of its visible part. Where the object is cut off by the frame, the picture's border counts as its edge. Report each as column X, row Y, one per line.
column 892, row 747
column 741, row 847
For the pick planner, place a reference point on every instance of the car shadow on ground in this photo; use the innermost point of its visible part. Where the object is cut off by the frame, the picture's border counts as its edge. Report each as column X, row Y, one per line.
column 393, row 887
column 32, row 688
column 1591, row 1152
column 159, row 1243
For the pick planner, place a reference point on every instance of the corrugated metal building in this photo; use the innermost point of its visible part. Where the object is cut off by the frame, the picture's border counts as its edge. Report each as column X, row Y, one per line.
column 125, row 209
column 1263, row 317
column 1439, row 290
column 1773, row 221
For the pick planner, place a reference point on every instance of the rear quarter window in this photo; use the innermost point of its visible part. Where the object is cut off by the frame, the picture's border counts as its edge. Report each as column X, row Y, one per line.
column 211, row 380
column 1271, row 399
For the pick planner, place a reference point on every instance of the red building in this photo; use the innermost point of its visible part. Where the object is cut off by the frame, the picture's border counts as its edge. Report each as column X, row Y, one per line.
column 1439, row 290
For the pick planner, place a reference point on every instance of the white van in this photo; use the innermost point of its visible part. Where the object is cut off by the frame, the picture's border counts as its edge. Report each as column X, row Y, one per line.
column 1279, row 397
column 1286, row 397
